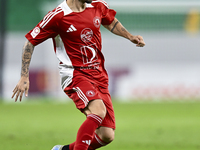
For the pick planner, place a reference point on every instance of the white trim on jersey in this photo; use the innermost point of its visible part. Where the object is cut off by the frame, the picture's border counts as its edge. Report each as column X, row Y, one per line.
column 66, row 69
column 65, row 8
column 66, row 74
column 61, row 52
column 66, row 77
column 89, row 5
column 102, row 1
column 82, row 96
column 49, row 16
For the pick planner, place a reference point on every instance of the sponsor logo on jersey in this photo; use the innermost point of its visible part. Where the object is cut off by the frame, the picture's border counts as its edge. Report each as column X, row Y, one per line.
column 89, row 54
column 90, row 93
column 86, row 35
column 97, row 22
column 71, row 29
column 35, row 32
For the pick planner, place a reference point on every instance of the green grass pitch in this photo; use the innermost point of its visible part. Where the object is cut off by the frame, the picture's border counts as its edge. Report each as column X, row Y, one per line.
column 140, row 126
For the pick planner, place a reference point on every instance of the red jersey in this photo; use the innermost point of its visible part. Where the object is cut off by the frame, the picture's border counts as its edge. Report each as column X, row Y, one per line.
column 77, row 40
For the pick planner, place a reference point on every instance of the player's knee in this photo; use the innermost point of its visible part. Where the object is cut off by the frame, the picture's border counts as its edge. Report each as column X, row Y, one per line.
column 106, row 134
column 108, row 137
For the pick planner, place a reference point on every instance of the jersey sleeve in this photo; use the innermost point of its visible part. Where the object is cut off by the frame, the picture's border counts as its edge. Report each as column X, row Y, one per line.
column 108, row 14
column 46, row 28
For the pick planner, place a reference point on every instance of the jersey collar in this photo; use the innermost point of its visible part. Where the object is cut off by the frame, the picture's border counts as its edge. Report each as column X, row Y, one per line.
column 67, row 10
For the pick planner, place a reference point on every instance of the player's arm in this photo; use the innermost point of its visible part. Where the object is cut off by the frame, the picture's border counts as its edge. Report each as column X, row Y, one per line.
column 117, row 28
column 23, row 84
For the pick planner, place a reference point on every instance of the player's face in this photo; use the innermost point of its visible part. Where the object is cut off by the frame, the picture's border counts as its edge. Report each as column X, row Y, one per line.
column 86, row 1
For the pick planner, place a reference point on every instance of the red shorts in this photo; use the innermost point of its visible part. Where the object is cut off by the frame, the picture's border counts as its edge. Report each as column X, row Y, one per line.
column 82, row 92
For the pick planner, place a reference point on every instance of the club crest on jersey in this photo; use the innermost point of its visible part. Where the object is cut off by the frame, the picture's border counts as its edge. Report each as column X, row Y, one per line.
column 86, row 35
column 97, row 22
column 90, row 93
column 35, row 32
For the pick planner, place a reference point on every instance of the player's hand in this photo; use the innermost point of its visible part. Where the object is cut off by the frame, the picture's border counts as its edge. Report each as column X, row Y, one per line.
column 138, row 40
column 21, row 88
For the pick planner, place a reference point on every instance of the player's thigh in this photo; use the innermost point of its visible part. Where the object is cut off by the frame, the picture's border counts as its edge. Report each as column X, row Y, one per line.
column 109, row 120
column 96, row 107
column 106, row 134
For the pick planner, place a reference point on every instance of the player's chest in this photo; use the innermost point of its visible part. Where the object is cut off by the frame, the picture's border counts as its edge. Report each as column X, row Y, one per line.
column 80, row 25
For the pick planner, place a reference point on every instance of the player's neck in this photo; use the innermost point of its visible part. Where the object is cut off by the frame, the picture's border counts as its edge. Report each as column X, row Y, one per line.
column 76, row 5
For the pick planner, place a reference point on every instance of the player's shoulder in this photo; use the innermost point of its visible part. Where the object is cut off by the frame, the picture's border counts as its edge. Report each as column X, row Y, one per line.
column 56, row 14
column 100, row 3
column 52, row 16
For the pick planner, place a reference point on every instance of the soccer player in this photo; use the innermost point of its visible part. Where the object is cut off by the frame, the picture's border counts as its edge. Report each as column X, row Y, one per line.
column 74, row 27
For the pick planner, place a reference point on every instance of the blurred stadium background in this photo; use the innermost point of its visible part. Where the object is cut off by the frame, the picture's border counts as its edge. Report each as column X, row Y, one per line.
column 167, row 68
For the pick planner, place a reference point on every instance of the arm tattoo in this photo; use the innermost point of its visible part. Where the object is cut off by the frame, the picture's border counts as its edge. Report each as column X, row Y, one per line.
column 114, row 26
column 26, row 58
column 120, row 30
column 123, row 29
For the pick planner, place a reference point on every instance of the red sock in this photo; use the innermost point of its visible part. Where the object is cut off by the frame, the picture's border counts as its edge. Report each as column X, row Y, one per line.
column 96, row 143
column 86, row 132
column 71, row 146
